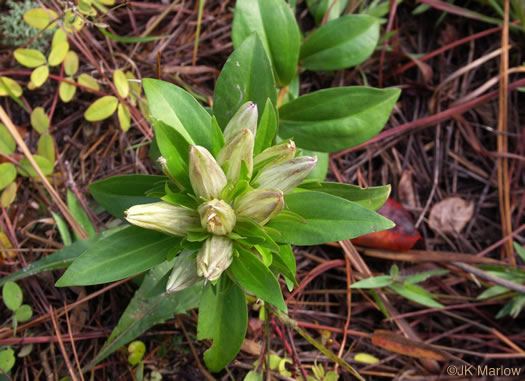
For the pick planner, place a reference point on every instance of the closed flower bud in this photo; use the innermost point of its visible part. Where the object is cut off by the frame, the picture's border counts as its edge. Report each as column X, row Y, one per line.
column 184, row 273
column 164, row 164
column 245, row 117
column 206, row 177
column 214, row 257
column 260, row 204
column 163, row 217
column 239, row 149
column 217, row 217
column 286, row 176
column 276, row 154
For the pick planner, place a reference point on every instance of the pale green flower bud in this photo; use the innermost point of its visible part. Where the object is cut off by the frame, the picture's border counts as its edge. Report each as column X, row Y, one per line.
column 276, row 154
column 184, row 273
column 245, row 117
column 217, row 217
column 214, row 257
column 286, row 176
column 164, row 217
column 260, row 204
column 239, row 149
column 206, row 177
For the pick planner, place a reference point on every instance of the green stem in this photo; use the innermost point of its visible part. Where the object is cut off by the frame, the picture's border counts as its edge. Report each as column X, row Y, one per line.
column 289, row 322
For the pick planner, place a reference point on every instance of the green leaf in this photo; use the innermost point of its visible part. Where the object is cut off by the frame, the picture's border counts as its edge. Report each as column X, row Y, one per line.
column 274, row 22
column 421, row 277
column 123, row 254
column 415, row 294
column 7, row 360
column 118, row 193
column 7, row 174
column 121, row 83
column 144, row 311
column 39, row 120
column 101, row 109
column 67, row 91
column 63, row 230
column 284, row 262
column 341, row 43
column 175, row 149
column 374, row 282
column 130, row 40
column 88, row 81
column 246, row 76
column 217, row 137
column 318, row 8
column 30, row 58
column 12, row 295
column 39, row 17
column 8, row 195
column 80, row 215
column 491, row 292
column 178, row 109
column 124, row 118
column 58, row 260
column 256, row 278
column 39, row 75
column 58, row 37
column 372, row 198
column 46, row 147
column 328, row 218
column 520, row 250
column 24, row 313
column 7, row 143
column 71, row 63
column 26, row 169
column 12, row 86
column 223, row 318
column 58, row 53
column 254, row 233
column 266, row 129
column 334, row 119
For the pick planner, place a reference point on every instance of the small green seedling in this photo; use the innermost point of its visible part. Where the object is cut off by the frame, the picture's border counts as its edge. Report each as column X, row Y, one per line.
column 13, row 297
column 404, row 285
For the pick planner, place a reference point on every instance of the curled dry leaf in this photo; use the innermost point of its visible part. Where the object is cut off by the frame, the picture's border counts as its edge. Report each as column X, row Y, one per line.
column 450, row 215
column 405, row 189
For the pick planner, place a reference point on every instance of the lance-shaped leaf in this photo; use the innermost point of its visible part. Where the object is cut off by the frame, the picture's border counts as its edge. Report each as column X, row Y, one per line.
column 256, row 278
column 126, row 253
column 223, row 318
column 372, row 198
column 274, row 22
column 179, row 110
column 319, row 8
column 334, row 119
column 328, row 218
column 118, row 193
column 246, row 76
column 341, row 43
column 144, row 310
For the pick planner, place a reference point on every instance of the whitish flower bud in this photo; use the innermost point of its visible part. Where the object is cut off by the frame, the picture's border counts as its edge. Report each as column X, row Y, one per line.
column 260, row 204
column 214, row 257
column 245, row 117
column 163, row 217
column 206, row 177
column 239, row 149
column 184, row 272
column 276, row 154
column 217, row 217
column 286, row 176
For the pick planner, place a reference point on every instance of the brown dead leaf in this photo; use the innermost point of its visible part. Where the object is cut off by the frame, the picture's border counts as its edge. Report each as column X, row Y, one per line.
column 450, row 215
column 405, row 189
column 80, row 313
column 400, row 344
